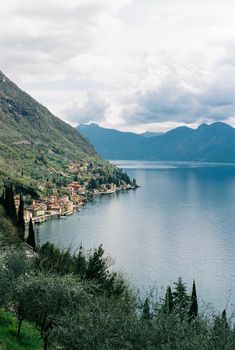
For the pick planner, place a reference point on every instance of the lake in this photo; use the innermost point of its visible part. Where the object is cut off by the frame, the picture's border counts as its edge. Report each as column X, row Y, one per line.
column 180, row 222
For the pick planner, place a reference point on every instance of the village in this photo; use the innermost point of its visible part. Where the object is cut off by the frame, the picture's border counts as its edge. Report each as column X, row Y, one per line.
column 71, row 197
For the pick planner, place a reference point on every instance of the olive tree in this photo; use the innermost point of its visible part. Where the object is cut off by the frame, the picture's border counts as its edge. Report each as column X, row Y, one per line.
column 42, row 299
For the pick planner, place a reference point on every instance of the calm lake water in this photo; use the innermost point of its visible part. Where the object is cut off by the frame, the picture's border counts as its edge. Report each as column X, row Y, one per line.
column 181, row 222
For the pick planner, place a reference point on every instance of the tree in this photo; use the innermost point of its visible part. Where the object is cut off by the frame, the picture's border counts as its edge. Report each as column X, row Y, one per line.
column 2, row 198
column 41, row 299
column 181, row 298
column 224, row 319
column 52, row 259
column 169, row 302
column 31, row 236
column 9, row 203
column 221, row 331
column 81, row 182
column 13, row 264
column 193, row 309
column 96, row 267
column 80, row 263
column 100, row 323
column 92, row 184
column 146, row 310
column 20, row 219
column 8, row 233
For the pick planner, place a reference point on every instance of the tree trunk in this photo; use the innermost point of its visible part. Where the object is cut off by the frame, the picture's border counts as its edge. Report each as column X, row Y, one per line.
column 19, row 327
column 45, row 343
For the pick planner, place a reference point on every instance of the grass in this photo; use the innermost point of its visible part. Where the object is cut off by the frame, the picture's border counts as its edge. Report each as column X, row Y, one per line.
column 28, row 340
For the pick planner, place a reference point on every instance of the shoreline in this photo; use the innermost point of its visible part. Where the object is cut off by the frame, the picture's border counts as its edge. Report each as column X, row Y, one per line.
column 53, row 216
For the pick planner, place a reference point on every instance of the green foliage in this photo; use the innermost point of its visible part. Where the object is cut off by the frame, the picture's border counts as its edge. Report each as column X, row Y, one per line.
column 53, row 260
column 80, row 263
column 8, row 233
column 41, row 299
column 96, row 267
column 146, row 310
column 72, row 311
column 92, row 266
column 36, row 145
column 101, row 323
column 13, row 264
column 92, row 184
column 20, row 219
column 181, row 298
column 193, row 309
column 169, row 302
column 30, row 337
column 9, row 204
column 31, row 235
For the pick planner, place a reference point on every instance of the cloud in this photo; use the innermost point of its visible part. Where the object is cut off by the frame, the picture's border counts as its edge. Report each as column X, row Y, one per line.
column 123, row 62
column 183, row 90
column 173, row 101
column 93, row 109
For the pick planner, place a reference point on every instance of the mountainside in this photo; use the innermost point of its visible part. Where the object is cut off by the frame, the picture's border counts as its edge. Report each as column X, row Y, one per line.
column 110, row 143
column 209, row 143
column 34, row 144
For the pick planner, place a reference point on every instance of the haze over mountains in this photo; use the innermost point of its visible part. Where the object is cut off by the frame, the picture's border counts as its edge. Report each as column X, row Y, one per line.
column 207, row 143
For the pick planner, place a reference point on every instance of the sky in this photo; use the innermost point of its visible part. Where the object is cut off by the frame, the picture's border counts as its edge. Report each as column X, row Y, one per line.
column 133, row 65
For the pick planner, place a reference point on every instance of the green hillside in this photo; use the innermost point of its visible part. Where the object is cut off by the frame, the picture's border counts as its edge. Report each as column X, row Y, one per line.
column 34, row 144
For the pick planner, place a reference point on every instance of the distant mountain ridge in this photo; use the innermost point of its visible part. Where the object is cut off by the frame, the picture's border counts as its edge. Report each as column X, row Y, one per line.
column 207, row 143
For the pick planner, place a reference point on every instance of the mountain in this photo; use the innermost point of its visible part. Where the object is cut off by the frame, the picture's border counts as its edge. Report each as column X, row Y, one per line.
column 34, row 144
column 208, row 143
column 110, row 143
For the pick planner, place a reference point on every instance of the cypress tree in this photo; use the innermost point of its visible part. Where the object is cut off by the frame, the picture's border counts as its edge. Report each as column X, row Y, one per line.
column 224, row 319
column 193, row 310
column 31, row 236
column 146, row 310
column 10, row 204
column 2, row 198
column 20, row 219
column 169, row 303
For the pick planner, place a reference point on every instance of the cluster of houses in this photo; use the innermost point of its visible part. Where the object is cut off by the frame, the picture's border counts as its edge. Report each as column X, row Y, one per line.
column 74, row 197
column 77, row 168
column 54, row 206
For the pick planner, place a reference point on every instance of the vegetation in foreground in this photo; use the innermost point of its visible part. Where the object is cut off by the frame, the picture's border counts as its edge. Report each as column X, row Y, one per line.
column 71, row 300
column 29, row 339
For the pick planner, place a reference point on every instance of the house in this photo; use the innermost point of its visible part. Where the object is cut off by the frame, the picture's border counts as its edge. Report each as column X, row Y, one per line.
column 75, row 188
column 27, row 215
column 36, row 209
column 17, row 201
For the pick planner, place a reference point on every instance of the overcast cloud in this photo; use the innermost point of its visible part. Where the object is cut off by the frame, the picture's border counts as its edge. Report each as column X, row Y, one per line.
column 131, row 64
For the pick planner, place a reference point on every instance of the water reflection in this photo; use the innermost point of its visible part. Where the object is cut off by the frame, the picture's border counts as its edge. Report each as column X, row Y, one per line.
column 179, row 223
